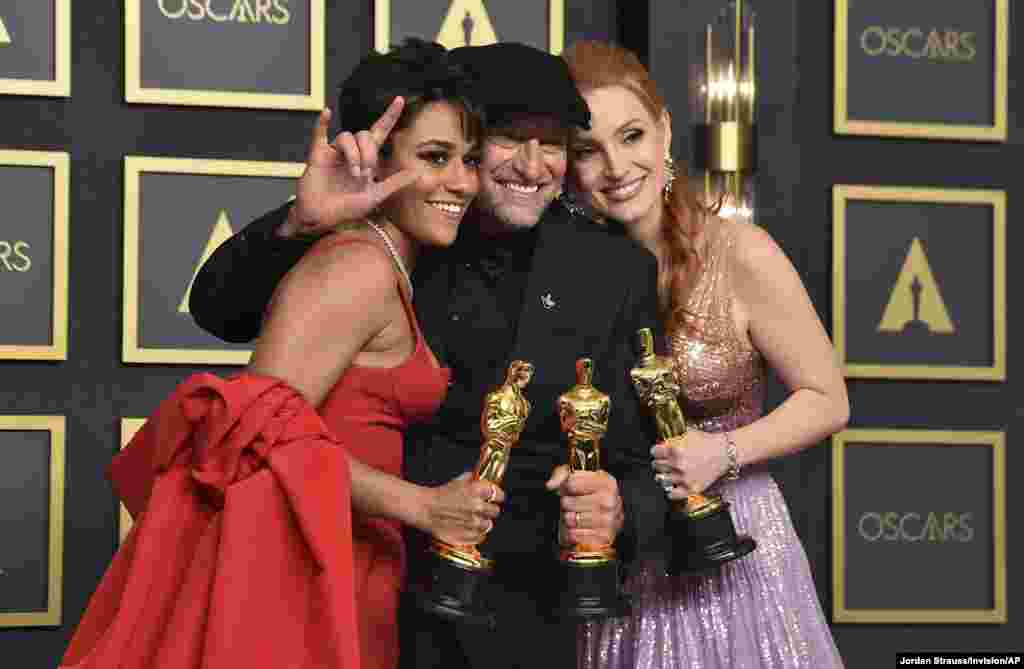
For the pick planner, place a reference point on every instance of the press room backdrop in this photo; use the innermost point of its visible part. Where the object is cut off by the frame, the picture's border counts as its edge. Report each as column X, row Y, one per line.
column 110, row 204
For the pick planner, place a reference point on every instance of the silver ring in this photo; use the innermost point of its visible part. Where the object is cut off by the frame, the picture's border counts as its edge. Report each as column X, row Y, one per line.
column 490, row 526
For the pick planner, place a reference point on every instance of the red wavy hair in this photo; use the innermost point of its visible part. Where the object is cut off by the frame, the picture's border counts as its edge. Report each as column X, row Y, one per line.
column 596, row 65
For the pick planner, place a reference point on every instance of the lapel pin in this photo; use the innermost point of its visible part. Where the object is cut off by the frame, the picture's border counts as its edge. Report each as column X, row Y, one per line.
column 547, row 301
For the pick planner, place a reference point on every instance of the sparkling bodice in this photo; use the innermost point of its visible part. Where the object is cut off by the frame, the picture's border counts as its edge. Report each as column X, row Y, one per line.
column 721, row 375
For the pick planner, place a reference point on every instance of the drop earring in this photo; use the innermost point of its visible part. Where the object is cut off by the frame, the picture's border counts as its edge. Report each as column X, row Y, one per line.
column 670, row 173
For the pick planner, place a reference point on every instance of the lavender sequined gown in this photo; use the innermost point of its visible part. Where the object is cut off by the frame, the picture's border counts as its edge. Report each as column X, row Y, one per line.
column 758, row 612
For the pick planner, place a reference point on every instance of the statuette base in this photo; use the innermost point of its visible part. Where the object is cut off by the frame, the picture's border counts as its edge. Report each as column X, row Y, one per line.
column 705, row 540
column 450, row 584
column 592, row 591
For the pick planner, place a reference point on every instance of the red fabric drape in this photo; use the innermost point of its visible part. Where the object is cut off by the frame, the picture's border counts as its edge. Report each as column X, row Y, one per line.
column 241, row 553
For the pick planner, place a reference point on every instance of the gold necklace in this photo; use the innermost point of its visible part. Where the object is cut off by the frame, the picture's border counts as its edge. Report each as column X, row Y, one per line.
column 382, row 233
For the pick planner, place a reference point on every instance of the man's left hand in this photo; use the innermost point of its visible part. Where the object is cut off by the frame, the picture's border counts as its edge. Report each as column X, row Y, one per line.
column 591, row 506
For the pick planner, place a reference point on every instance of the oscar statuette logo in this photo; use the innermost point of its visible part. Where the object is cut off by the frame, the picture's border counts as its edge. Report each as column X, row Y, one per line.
column 5, row 35
column 220, row 234
column 467, row 23
column 942, row 46
column 912, row 527
column 274, row 12
column 915, row 304
column 14, row 256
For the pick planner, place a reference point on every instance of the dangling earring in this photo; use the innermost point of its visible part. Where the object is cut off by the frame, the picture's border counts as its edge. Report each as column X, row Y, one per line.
column 670, row 173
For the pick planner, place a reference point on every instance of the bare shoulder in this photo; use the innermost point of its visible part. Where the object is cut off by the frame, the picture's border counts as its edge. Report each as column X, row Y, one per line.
column 356, row 270
column 754, row 253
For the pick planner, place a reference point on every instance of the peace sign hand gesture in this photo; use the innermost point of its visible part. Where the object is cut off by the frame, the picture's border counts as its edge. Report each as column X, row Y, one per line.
column 339, row 184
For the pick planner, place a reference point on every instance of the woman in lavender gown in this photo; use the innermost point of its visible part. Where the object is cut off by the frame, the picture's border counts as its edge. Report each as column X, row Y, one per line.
column 732, row 304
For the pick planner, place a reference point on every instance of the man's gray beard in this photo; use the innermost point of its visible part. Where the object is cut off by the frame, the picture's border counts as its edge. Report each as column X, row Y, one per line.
column 487, row 209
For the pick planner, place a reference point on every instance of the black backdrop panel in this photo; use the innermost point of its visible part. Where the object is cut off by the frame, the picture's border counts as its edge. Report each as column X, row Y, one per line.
column 30, row 53
column 240, row 50
column 911, row 541
column 26, row 255
column 24, row 520
column 921, row 61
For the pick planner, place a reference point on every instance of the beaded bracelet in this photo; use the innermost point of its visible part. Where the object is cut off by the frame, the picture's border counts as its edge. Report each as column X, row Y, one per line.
column 730, row 452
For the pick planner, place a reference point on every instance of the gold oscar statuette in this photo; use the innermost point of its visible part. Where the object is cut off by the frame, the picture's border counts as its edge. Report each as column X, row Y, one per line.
column 583, row 414
column 655, row 381
column 591, row 571
column 452, row 578
column 501, row 422
column 700, row 528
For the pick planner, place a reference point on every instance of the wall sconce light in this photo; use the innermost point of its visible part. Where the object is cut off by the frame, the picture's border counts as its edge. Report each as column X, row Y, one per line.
column 726, row 141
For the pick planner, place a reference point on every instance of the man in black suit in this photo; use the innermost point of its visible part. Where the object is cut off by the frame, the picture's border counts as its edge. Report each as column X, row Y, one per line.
column 528, row 278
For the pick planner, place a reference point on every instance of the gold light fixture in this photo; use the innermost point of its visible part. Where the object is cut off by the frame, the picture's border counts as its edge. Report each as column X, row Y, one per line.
column 726, row 140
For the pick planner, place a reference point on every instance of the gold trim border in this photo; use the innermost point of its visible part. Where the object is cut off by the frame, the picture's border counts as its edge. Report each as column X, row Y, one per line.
column 134, row 166
column 844, row 125
column 135, row 93
column 59, row 162
column 382, row 26
column 60, row 85
column 884, row 437
column 996, row 199
column 55, row 425
column 129, row 426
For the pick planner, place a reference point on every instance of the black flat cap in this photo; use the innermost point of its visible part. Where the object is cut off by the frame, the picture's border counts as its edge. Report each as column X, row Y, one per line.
column 513, row 79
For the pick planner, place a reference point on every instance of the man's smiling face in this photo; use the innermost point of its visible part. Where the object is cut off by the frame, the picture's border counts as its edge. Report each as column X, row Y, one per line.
column 522, row 169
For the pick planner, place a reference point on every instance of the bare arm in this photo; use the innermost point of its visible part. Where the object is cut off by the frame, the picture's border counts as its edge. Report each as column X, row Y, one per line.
column 325, row 312
column 784, row 327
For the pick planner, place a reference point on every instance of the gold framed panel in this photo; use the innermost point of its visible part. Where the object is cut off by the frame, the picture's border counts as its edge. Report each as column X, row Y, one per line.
column 841, row 194
column 129, row 426
column 55, row 425
column 59, row 162
column 844, row 125
column 60, row 85
column 134, row 168
column 135, row 92
column 383, row 11
column 884, row 437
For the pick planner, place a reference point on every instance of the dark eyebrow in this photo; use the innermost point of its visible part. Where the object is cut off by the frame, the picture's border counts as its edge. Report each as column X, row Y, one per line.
column 439, row 143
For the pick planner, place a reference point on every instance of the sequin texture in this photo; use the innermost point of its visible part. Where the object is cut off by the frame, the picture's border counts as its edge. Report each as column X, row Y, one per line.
column 758, row 612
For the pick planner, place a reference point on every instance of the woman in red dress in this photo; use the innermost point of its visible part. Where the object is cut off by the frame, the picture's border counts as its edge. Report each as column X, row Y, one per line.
column 268, row 532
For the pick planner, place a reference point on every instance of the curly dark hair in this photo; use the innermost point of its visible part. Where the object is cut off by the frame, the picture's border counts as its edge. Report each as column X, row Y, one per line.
column 419, row 71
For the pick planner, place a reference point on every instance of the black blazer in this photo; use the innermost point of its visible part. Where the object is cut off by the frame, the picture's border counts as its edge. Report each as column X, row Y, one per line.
column 603, row 287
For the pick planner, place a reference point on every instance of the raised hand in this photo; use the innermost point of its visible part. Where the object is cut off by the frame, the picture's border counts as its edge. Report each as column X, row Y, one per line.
column 340, row 182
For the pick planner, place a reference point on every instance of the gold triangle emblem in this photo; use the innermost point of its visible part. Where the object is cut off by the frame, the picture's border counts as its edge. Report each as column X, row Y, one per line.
column 221, row 233
column 5, row 37
column 466, row 24
column 916, row 297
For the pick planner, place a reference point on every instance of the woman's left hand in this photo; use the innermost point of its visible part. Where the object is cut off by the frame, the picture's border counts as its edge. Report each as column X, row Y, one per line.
column 691, row 462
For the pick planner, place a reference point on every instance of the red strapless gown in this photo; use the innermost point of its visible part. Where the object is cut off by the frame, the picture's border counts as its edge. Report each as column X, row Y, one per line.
column 245, row 551
column 369, row 409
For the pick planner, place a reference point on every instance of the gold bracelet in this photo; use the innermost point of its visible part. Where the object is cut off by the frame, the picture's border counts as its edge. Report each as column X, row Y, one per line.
column 733, row 472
